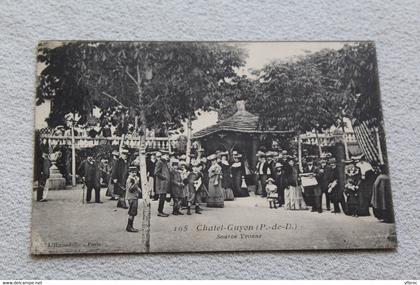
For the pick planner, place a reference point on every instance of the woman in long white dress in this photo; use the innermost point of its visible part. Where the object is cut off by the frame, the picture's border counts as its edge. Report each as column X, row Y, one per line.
column 293, row 195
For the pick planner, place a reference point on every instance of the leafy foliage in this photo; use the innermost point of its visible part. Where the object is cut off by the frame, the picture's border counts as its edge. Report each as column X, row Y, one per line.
column 170, row 81
column 166, row 81
column 310, row 92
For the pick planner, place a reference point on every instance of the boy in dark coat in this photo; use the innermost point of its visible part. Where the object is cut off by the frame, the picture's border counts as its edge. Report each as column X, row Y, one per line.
column 133, row 193
column 195, row 188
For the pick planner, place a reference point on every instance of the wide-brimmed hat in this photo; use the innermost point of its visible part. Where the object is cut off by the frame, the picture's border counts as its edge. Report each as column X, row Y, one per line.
column 349, row 161
column 212, row 157
column 234, row 153
column 133, row 168
column 357, row 157
column 270, row 179
column 278, row 165
column 124, row 151
column 89, row 153
column 272, row 153
column 223, row 153
column 158, row 154
column 261, row 154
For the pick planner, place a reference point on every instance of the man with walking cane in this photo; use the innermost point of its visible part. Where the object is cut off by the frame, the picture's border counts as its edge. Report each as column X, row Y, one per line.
column 119, row 178
column 91, row 176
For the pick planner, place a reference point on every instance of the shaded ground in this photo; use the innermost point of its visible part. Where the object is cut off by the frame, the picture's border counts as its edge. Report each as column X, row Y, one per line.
column 65, row 225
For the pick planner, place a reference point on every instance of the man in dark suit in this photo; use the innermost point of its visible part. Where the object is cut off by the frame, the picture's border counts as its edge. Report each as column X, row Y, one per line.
column 91, row 175
column 336, row 192
column 163, row 177
column 313, row 193
column 263, row 171
column 280, row 182
column 150, row 168
column 271, row 163
column 119, row 178
column 323, row 177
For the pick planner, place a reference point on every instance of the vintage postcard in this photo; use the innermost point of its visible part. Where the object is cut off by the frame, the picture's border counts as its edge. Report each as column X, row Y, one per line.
column 209, row 146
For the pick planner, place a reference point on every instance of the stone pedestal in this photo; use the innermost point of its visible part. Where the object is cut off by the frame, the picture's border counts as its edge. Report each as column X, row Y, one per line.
column 56, row 181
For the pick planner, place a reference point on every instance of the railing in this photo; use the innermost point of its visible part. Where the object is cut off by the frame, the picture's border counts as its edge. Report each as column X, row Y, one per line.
column 163, row 143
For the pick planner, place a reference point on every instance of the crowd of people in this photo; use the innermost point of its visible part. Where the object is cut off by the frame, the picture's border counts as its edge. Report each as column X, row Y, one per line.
column 190, row 182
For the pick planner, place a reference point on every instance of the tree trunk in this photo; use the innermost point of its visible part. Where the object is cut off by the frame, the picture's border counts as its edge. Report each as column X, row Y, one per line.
column 188, row 152
column 346, row 149
column 319, row 144
column 144, row 186
column 73, row 154
column 143, row 171
column 300, row 153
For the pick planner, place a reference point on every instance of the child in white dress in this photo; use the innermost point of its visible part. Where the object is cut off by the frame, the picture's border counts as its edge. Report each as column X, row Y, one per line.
column 272, row 195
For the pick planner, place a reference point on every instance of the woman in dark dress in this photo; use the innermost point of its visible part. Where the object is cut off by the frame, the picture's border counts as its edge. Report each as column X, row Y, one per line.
column 226, row 177
column 352, row 191
column 237, row 170
column 365, row 188
column 382, row 198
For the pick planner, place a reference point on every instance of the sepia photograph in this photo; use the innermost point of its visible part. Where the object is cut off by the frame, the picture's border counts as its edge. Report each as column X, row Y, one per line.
column 143, row 147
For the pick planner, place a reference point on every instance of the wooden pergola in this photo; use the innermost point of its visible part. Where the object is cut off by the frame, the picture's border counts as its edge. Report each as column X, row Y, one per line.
column 239, row 132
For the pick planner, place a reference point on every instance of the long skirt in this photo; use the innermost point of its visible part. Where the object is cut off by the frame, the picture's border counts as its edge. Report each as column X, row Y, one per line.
column 294, row 198
column 110, row 192
column 236, row 184
column 228, row 194
column 216, row 197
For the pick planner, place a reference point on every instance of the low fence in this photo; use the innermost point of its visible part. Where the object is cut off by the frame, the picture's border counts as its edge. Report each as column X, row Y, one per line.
column 163, row 143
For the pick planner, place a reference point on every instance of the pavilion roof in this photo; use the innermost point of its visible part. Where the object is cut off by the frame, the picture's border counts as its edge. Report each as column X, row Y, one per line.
column 242, row 122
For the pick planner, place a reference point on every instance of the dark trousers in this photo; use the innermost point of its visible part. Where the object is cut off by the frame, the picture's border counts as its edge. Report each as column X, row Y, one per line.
column 327, row 199
column 89, row 193
column 162, row 198
column 263, row 179
column 353, row 209
column 280, row 192
column 177, row 204
column 340, row 201
column 317, row 205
